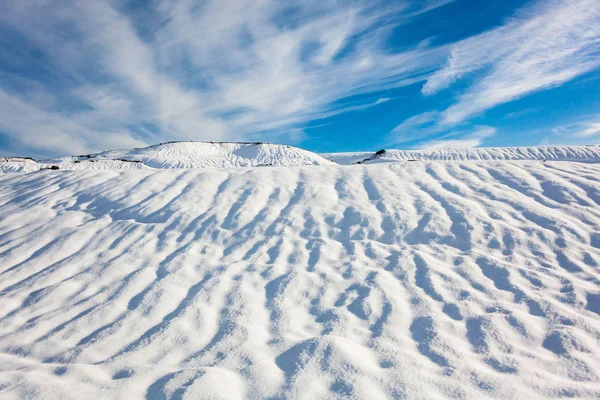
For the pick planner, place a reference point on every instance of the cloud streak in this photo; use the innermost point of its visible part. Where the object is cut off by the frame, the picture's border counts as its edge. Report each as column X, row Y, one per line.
column 584, row 129
column 460, row 140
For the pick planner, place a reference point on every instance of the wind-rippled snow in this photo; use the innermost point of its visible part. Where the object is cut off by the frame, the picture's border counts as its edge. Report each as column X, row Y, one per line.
column 413, row 280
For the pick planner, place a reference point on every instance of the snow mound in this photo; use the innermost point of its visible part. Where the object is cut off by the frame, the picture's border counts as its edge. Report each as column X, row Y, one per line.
column 178, row 155
column 18, row 164
column 417, row 280
column 553, row 153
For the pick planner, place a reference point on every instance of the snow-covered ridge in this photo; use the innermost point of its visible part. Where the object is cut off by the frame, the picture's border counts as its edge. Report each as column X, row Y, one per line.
column 178, row 155
column 215, row 155
column 554, row 153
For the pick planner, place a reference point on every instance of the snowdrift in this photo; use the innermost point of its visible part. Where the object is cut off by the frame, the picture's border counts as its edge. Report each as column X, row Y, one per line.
column 412, row 280
column 554, row 153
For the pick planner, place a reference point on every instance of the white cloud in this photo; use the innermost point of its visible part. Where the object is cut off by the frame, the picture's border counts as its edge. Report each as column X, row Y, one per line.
column 544, row 46
column 425, row 125
column 592, row 129
column 583, row 129
column 56, row 133
column 416, row 127
column 460, row 140
column 205, row 70
column 233, row 69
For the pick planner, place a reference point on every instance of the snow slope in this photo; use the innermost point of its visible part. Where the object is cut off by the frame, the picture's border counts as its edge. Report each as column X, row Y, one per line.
column 205, row 155
column 419, row 280
column 555, row 153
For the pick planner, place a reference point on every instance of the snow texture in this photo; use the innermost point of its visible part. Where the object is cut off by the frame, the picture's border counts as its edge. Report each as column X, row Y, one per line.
column 401, row 280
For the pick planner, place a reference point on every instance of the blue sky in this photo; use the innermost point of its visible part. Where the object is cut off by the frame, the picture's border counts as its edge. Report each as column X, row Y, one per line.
column 84, row 76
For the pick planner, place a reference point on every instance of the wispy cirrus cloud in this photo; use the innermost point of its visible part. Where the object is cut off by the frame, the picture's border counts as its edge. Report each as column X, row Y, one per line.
column 584, row 130
column 543, row 46
column 460, row 140
column 206, row 70
column 417, row 127
column 425, row 129
column 587, row 129
column 111, row 73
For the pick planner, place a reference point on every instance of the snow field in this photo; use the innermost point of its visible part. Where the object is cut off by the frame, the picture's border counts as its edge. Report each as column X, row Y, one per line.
column 411, row 280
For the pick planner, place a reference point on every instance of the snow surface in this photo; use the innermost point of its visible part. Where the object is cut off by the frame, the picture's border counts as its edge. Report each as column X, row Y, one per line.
column 555, row 153
column 177, row 155
column 418, row 280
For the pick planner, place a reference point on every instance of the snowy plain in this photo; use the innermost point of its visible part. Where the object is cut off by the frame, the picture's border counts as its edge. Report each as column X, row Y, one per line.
column 429, row 279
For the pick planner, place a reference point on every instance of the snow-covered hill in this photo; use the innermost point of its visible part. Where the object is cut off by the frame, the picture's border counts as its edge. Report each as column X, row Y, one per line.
column 554, row 153
column 201, row 155
column 415, row 280
column 18, row 164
